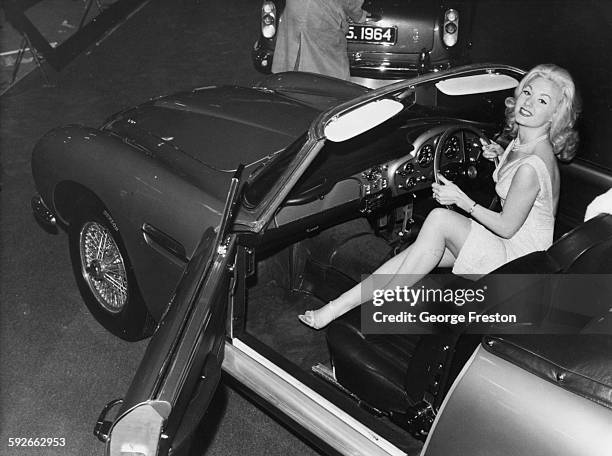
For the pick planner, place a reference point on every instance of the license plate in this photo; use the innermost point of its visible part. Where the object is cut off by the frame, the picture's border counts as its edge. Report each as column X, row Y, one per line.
column 371, row 35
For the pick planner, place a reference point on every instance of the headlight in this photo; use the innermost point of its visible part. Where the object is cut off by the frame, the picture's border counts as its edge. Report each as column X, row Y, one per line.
column 268, row 19
column 450, row 32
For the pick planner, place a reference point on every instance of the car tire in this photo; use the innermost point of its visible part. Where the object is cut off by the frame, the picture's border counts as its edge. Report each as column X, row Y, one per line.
column 104, row 274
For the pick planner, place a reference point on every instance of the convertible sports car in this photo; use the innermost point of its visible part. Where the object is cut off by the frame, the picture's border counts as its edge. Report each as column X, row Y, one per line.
column 397, row 40
column 209, row 219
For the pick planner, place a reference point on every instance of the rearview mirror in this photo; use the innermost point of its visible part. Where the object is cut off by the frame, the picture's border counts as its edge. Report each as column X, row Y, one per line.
column 361, row 119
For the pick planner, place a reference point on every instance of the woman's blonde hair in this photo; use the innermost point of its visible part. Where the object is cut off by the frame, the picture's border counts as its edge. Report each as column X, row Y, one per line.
column 562, row 135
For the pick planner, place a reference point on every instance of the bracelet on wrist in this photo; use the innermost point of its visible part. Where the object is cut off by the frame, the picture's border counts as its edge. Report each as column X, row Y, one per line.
column 472, row 208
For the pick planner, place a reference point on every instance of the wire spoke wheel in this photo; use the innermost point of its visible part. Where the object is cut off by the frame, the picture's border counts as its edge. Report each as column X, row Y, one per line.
column 104, row 273
column 103, row 267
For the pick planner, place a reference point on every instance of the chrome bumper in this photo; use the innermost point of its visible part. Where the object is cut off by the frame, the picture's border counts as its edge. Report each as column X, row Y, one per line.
column 43, row 215
column 387, row 65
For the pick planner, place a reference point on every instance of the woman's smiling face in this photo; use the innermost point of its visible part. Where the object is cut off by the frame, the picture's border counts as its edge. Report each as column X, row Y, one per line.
column 537, row 103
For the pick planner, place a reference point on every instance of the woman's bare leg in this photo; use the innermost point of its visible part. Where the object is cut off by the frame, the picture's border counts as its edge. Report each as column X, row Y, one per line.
column 441, row 238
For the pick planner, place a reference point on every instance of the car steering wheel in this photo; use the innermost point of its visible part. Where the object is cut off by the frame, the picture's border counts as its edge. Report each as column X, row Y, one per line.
column 468, row 169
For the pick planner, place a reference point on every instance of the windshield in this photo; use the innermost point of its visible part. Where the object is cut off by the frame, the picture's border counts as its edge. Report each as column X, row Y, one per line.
column 264, row 178
column 339, row 160
column 424, row 105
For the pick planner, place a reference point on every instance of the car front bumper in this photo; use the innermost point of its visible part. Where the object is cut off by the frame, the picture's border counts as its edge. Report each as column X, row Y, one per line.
column 43, row 215
column 384, row 65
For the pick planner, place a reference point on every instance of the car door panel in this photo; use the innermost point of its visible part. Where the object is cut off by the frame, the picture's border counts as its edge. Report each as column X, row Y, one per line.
column 181, row 366
column 184, row 356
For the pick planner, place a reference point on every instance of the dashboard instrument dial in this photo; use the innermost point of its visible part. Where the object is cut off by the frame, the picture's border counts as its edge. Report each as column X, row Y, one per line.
column 452, row 148
column 426, row 156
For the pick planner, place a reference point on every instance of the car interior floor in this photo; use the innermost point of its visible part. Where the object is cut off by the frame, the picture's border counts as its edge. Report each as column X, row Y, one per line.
column 274, row 322
column 303, row 276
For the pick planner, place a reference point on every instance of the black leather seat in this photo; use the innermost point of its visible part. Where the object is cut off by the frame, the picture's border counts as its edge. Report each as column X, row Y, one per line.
column 403, row 375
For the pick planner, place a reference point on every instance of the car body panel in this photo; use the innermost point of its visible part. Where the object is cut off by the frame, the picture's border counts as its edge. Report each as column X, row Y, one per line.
column 316, row 90
column 507, row 415
column 124, row 178
column 415, row 20
column 240, row 124
column 418, row 38
column 127, row 168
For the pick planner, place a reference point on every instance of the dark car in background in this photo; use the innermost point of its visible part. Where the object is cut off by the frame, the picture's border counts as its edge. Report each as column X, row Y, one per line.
column 399, row 38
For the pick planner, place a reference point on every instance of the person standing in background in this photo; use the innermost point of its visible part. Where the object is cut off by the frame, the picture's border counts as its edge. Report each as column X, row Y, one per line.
column 312, row 36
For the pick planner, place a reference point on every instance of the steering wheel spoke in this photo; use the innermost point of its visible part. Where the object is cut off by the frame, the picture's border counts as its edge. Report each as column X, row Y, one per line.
column 458, row 157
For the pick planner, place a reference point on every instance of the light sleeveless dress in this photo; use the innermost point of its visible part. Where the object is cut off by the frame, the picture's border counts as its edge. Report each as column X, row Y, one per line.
column 484, row 251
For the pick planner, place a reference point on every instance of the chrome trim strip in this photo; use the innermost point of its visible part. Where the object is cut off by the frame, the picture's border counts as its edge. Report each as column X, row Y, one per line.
column 408, row 69
column 302, row 404
column 383, row 68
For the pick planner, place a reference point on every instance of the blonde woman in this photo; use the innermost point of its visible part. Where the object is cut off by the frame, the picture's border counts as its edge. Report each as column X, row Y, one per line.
column 540, row 118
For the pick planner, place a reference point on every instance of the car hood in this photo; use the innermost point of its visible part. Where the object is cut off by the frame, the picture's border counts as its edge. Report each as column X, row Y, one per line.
column 219, row 127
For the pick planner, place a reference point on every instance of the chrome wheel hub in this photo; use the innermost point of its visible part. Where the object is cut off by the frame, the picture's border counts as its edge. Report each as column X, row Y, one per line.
column 103, row 267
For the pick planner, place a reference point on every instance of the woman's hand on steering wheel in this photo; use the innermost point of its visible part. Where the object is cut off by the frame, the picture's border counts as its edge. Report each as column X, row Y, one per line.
column 491, row 150
column 448, row 193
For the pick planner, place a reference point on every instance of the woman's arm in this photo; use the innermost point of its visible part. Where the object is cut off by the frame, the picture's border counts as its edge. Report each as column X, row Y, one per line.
column 521, row 196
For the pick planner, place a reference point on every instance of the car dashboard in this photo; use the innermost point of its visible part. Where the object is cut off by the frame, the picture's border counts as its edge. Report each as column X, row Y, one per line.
column 390, row 182
column 415, row 171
